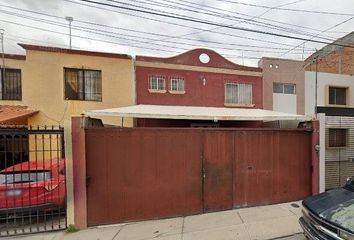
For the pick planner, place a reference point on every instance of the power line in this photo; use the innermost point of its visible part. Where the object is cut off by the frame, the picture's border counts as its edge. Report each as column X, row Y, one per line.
column 221, row 12
column 250, row 20
column 145, row 32
column 209, row 13
column 194, row 20
column 91, row 30
column 78, row 36
column 288, row 9
column 226, row 34
column 180, row 25
column 136, row 38
column 16, row 38
column 115, row 43
column 330, row 28
column 199, row 31
column 205, row 30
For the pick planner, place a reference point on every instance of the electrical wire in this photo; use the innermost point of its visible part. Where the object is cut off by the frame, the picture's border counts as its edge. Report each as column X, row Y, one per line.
column 150, row 33
column 250, row 20
column 136, row 38
column 253, row 17
column 111, row 42
column 180, row 25
column 215, row 28
column 196, row 20
column 208, row 14
column 149, row 2
column 325, row 30
column 288, row 9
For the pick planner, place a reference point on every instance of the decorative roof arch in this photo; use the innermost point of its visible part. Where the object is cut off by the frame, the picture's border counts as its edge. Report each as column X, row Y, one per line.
column 200, row 57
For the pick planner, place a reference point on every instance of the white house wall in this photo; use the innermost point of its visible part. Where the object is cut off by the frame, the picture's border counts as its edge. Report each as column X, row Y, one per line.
column 337, row 162
column 324, row 80
column 284, row 103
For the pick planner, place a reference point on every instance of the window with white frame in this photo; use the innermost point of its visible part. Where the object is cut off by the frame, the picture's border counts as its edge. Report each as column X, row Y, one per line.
column 177, row 84
column 157, row 83
column 286, row 88
column 238, row 93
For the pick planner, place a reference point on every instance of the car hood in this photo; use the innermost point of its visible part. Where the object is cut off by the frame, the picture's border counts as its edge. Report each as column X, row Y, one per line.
column 335, row 206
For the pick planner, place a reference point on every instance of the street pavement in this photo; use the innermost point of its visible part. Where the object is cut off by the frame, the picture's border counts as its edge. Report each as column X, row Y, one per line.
column 266, row 222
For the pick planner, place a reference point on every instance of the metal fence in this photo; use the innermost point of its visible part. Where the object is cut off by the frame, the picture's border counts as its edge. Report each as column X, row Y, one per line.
column 32, row 180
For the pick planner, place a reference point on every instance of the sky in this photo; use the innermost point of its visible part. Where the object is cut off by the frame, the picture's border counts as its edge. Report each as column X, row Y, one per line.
column 166, row 28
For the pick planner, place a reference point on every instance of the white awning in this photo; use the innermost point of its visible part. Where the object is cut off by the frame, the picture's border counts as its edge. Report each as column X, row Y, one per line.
column 196, row 113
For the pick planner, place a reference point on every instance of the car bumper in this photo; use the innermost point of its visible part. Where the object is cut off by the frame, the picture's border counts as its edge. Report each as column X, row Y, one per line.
column 311, row 232
column 28, row 209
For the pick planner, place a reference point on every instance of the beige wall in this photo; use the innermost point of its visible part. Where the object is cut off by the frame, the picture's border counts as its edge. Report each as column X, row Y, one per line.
column 43, row 90
column 43, row 86
column 288, row 71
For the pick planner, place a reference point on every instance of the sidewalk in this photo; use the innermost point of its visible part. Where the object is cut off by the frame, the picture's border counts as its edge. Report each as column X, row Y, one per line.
column 266, row 222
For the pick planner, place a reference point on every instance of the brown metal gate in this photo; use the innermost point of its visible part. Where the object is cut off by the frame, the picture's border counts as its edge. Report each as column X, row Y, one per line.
column 142, row 174
column 271, row 167
column 217, row 170
column 136, row 174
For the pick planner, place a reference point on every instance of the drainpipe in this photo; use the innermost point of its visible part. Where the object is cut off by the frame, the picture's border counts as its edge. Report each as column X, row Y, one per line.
column 316, row 76
column 3, row 63
column 315, row 152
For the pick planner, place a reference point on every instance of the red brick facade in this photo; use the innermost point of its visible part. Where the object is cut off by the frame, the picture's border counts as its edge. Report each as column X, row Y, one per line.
column 204, row 82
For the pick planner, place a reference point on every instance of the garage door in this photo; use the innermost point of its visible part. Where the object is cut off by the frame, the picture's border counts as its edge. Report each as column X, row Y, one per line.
column 137, row 174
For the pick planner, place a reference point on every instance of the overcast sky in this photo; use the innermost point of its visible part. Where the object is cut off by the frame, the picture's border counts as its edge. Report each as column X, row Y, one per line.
column 111, row 29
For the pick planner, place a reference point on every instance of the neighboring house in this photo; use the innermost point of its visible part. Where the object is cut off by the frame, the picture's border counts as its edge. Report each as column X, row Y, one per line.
column 329, row 94
column 283, row 85
column 50, row 85
column 60, row 83
column 200, row 77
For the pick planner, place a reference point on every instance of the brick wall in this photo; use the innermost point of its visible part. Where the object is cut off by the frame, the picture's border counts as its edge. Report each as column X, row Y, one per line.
column 339, row 61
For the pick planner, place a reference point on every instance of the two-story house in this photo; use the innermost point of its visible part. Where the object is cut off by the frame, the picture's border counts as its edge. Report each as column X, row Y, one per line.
column 200, row 77
column 65, row 82
column 283, row 85
column 50, row 85
column 56, row 83
column 329, row 95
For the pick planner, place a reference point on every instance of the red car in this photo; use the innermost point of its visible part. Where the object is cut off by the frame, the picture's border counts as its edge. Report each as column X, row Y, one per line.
column 34, row 186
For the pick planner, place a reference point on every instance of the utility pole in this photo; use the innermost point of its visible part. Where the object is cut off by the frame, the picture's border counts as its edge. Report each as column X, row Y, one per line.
column 69, row 19
column 3, row 63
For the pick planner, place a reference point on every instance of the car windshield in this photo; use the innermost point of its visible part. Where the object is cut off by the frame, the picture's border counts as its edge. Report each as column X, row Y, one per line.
column 350, row 184
column 28, row 176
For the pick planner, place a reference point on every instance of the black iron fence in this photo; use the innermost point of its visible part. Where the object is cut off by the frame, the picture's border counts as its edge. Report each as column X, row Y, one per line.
column 32, row 180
